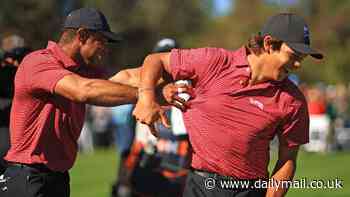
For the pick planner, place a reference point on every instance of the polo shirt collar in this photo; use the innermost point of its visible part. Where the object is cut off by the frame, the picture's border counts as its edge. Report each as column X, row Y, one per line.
column 240, row 61
column 67, row 61
column 241, row 58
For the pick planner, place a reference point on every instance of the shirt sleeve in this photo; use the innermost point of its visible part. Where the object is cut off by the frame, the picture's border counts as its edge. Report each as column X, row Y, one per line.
column 44, row 77
column 195, row 64
column 295, row 127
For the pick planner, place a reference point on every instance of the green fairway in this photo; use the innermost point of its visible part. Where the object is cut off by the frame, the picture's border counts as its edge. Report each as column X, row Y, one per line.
column 323, row 167
column 93, row 174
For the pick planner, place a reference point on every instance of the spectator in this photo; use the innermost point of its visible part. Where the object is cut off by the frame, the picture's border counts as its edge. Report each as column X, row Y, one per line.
column 101, row 126
column 15, row 56
column 320, row 123
column 12, row 41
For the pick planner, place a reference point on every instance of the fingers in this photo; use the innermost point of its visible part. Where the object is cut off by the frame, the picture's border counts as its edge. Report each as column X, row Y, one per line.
column 179, row 105
column 177, row 98
column 160, row 115
column 172, row 92
column 182, row 89
column 145, row 122
column 182, row 85
column 146, row 114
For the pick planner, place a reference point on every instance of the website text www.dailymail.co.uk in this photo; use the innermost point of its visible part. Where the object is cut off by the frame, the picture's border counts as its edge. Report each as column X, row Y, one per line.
column 303, row 183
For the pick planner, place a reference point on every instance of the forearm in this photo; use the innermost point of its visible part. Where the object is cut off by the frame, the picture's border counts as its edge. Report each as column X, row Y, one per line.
column 129, row 77
column 107, row 93
column 283, row 171
column 150, row 74
column 147, row 110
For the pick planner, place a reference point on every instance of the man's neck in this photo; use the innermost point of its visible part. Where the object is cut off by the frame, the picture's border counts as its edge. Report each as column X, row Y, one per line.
column 256, row 65
column 72, row 51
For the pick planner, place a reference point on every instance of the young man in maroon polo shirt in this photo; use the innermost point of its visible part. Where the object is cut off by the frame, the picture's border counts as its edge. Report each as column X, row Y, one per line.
column 242, row 99
column 52, row 86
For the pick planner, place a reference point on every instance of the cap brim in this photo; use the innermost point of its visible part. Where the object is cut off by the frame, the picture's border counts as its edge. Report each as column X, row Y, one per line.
column 305, row 49
column 112, row 37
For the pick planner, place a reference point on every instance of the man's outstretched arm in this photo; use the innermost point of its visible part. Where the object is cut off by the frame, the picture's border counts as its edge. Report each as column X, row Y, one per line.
column 95, row 91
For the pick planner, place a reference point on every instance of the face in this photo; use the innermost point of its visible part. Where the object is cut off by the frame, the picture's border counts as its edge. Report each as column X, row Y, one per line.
column 94, row 49
column 282, row 62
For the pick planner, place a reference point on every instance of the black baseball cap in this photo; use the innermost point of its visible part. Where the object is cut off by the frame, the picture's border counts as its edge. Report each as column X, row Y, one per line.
column 91, row 19
column 293, row 30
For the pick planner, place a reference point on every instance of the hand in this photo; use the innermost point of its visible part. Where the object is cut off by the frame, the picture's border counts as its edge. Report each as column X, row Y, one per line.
column 170, row 93
column 147, row 111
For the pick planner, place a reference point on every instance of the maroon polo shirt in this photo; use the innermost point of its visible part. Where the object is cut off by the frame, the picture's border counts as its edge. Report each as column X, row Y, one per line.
column 44, row 126
column 230, row 123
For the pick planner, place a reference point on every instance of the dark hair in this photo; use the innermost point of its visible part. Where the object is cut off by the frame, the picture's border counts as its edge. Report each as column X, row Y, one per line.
column 68, row 34
column 256, row 44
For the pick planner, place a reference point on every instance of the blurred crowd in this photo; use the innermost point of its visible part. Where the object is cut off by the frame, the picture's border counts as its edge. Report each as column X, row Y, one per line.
column 329, row 117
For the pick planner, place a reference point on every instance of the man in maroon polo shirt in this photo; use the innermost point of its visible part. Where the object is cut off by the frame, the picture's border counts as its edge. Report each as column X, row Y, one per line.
column 242, row 99
column 52, row 86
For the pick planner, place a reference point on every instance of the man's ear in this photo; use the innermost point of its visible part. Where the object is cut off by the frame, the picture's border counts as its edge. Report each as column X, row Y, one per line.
column 83, row 35
column 267, row 44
